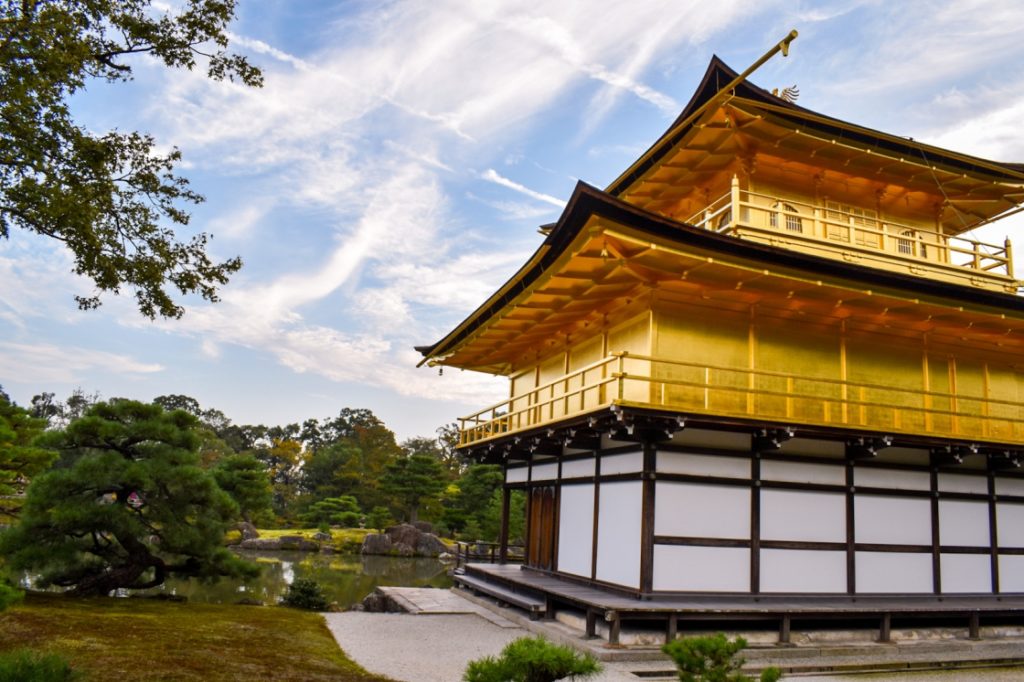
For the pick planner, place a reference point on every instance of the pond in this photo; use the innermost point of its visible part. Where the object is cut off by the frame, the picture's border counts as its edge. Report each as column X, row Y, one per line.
column 345, row 578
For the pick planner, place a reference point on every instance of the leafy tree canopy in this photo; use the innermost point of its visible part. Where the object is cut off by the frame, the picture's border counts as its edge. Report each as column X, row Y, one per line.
column 20, row 459
column 109, row 196
column 412, row 481
column 131, row 507
column 246, row 481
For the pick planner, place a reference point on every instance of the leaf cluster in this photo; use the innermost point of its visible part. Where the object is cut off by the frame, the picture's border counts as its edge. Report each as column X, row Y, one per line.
column 27, row 665
column 532, row 659
column 305, row 593
column 712, row 658
column 106, row 196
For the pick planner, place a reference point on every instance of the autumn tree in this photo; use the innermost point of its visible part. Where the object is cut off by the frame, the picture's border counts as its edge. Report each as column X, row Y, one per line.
column 107, row 196
column 129, row 507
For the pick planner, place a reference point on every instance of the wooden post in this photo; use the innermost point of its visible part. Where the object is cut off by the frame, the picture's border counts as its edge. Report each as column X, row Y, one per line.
column 591, row 623
column 735, row 199
column 1008, row 254
column 974, row 626
column 647, row 519
column 673, row 627
column 506, row 497
column 784, row 626
column 885, row 628
column 615, row 626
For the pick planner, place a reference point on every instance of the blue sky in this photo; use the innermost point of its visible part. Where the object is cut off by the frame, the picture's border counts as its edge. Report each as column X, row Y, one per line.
column 393, row 170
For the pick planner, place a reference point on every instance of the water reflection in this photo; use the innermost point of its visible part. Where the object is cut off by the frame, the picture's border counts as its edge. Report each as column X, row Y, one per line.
column 345, row 578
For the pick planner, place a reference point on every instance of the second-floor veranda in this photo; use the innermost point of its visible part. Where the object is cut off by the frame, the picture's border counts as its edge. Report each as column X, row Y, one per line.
column 642, row 381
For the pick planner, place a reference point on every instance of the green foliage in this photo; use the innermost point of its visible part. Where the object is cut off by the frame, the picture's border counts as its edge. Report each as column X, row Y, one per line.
column 246, row 481
column 26, row 665
column 20, row 459
column 412, row 481
column 342, row 511
column 712, row 659
column 379, row 518
column 106, row 196
column 128, row 506
column 466, row 501
column 307, row 594
column 531, row 659
column 8, row 595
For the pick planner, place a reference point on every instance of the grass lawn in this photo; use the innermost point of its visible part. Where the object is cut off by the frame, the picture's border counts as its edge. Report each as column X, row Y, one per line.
column 145, row 639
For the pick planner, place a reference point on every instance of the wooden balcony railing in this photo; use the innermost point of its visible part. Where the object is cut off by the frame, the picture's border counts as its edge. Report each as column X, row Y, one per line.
column 851, row 229
column 694, row 388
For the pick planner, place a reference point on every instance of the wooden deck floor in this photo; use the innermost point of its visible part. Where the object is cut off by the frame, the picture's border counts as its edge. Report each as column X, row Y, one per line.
column 614, row 608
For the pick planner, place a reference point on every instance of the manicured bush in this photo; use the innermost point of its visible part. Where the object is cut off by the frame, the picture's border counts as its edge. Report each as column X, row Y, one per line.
column 26, row 665
column 712, row 659
column 305, row 594
column 532, row 659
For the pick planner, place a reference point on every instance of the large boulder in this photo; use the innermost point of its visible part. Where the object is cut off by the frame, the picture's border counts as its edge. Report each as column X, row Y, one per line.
column 248, row 531
column 403, row 540
column 285, row 542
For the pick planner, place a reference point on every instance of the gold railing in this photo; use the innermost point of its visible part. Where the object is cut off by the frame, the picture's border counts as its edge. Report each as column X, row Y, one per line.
column 741, row 212
column 694, row 388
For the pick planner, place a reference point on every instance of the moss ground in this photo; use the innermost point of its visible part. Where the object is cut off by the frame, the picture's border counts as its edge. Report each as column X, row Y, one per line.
column 143, row 639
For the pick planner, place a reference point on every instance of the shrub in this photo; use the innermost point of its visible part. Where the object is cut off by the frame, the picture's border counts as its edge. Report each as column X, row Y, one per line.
column 26, row 665
column 532, row 659
column 307, row 594
column 712, row 659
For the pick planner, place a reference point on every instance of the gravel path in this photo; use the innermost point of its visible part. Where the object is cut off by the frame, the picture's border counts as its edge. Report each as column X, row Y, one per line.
column 427, row 648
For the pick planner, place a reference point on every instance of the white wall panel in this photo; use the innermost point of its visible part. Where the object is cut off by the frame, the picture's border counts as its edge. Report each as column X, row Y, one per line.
column 696, row 510
column 517, row 475
column 797, row 570
column 1010, row 524
column 703, row 465
column 701, row 569
column 578, row 468
column 1006, row 485
column 958, row 483
column 893, row 520
column 545, row 472
column 963, row 523
column 816, row 448
column 966, row 573
column 799, row 515
column 626, row 463
column 618, row 533
column 893, row 572
column 1011, row 573
column 870, row 477
column 827, row 474
column 576, row 529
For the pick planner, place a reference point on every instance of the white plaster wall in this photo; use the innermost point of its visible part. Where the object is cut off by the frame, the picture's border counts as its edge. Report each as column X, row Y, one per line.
column 703, row 465
column 576, row 529
column 517, row 475
column 1010, row 525
column 701, row 569
column 966, row 573
column 800, row 472
column 958, row 483
column 869, row 477
column 892, row 520
column 706, row 438
column 626, row 463
column 545, row 472
column 1011, row 573
column 578, row 468
column 697, row 510
column 800, row 515
column 963, row 523
column 797, row 570
column 1009, row 486
column 618, row 533
column 893, row 572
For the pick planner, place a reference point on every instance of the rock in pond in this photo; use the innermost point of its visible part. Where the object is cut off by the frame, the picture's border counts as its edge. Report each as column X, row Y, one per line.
column 403, row 540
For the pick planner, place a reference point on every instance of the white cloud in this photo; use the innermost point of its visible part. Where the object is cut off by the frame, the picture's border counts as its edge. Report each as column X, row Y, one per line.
column 38, row 363
column 492, row 175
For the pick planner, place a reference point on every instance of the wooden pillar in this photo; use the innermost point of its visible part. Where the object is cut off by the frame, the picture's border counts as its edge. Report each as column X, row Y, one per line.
column 647, row 519
column 851, row 554
column 755, row 523
column 506, row 503
column 936, row 543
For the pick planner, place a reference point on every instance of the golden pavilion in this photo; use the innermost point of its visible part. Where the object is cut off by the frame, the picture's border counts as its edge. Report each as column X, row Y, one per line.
column 767, row 373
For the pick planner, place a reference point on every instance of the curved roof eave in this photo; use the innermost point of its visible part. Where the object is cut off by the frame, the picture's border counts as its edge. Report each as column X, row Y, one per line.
column 719, row 74
column 588, row 201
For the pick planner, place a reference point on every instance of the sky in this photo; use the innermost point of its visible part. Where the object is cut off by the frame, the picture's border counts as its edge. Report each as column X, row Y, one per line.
column 392, row 172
